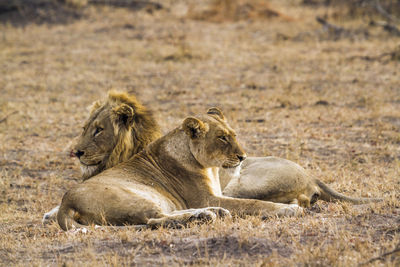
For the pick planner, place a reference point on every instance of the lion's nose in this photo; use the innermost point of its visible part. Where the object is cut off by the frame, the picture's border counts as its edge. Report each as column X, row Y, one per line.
column 241, row 157
column 79, row 153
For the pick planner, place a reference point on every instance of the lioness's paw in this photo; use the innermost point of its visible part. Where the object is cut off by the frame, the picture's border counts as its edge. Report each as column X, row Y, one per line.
column 50, row 216
column 83, row 230
column 220, row 212
column 203, row 215
column 46, row 218
column 290, row 210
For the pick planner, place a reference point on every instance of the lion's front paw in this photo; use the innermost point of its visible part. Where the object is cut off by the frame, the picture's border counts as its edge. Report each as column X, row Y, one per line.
column 290, row 210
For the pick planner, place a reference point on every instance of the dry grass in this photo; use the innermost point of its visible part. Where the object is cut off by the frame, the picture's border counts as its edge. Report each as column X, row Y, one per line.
column 227, row 10
column 318, row 102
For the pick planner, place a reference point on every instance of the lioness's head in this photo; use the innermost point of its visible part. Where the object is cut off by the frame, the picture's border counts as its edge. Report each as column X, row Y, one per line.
column 118, row 127
column 212, row 141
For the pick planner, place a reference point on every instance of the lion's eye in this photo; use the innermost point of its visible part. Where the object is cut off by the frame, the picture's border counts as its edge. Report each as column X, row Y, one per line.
column 223, row 139
column 98, row 130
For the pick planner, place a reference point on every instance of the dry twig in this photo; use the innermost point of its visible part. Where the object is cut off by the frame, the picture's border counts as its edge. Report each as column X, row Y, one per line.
column 383, row 12
column 7, row 116
column 392, row 55
column 382, row 257
column 330, row 27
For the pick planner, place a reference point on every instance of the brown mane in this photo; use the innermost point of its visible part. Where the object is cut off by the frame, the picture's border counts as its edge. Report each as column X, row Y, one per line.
column 131, row 140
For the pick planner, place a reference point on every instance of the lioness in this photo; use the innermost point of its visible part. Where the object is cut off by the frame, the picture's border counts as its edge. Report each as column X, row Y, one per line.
column 160, row 184
column 279, row 180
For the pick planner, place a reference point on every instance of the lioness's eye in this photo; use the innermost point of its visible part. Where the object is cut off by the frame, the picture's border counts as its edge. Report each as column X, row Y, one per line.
column 98, row 130
column 223, row 139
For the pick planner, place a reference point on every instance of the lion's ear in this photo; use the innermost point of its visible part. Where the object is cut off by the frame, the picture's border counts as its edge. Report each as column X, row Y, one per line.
column 194, row 128
column 216, row 111
column 124, row 115
column 94, row 106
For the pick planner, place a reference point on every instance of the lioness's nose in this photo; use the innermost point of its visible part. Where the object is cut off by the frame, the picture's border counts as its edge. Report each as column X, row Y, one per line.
column 79, row 153
column 241, row 157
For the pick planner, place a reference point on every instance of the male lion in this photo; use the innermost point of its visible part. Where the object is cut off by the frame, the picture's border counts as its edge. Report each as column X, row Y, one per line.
column 118, row 127
column 163, row 183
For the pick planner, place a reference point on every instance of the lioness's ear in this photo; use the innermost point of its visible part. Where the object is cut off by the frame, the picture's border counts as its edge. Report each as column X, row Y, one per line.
column 124, row 115
column 194, row 128
column 216, row 111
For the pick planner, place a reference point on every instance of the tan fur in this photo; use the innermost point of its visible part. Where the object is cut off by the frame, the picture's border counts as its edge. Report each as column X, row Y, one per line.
column 168, row 182
column 127, row 127
column 280, row 180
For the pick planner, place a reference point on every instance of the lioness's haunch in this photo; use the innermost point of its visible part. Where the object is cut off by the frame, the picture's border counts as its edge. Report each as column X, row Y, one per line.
column 174, row 173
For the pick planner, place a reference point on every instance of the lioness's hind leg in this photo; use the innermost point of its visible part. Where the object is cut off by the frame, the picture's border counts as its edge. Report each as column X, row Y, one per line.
column 219, row 212
column 304, row 201
column 181, row 218
column 289, row 210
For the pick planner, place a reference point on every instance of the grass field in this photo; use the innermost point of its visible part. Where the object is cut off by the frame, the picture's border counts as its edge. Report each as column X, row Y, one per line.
column 328, row 101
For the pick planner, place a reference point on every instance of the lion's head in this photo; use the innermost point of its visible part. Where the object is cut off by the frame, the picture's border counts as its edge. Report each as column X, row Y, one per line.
column 212, row 141
column 118, row 127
